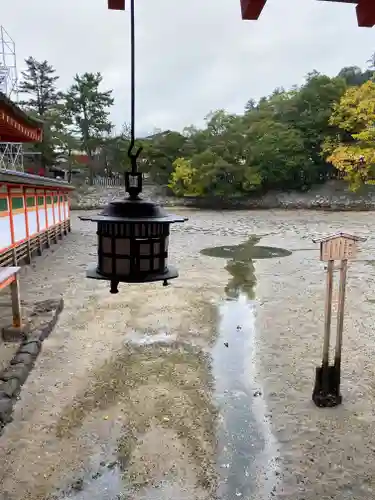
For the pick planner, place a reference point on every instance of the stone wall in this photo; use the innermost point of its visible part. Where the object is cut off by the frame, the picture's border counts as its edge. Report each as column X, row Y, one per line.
column 96, row 197
column 333, row 195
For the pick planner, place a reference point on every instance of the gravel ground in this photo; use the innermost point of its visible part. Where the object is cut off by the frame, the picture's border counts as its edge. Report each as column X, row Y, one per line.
column 100, row 393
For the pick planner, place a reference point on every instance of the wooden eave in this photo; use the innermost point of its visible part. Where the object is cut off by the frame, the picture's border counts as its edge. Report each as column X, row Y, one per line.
column 16, row 125
column 22, row 178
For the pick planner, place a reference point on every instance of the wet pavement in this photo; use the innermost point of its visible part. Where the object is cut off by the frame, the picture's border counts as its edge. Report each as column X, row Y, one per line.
column 246, row 447
column 197, row 390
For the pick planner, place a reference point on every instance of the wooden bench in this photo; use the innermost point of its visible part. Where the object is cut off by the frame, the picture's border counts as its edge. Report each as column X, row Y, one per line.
column 9, row 277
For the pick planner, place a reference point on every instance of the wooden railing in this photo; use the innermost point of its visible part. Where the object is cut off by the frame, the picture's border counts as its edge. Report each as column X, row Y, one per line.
column 23, row 252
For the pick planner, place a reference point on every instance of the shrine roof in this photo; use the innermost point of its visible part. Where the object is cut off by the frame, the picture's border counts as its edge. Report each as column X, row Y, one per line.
column 16, row 125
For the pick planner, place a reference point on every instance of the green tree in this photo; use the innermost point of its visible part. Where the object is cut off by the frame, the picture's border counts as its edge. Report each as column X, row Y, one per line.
column 275, row 144
column 39, row 88
column 308, row 109
column 276, row 151
column 38, row 83
column 88, row 108
column 115, row 151
column 66, row 142
column 160, row 151
column 354, row 76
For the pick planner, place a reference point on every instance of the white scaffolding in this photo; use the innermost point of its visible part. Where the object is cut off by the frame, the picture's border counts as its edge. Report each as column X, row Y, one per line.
column 11, row 154
column 8, row 66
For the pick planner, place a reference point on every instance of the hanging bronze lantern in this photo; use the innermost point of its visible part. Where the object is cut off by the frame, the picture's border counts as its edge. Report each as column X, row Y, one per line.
column 133, row 238
column 133, row 234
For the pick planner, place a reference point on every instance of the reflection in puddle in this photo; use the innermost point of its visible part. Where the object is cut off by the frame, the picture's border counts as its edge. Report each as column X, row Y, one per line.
column 245, row 252
column 240, row 264
column 247, row 451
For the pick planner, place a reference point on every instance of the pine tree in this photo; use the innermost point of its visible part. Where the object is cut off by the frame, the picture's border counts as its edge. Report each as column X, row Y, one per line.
column 38, row 85
column 88, row 108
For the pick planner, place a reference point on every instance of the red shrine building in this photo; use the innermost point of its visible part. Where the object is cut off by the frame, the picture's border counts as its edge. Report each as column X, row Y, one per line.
column 34, row 210
column 252, row 9
column 17, row 126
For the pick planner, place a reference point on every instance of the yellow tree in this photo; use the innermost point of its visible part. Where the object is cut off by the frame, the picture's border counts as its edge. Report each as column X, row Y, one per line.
column 183, row 178
column 352, row 151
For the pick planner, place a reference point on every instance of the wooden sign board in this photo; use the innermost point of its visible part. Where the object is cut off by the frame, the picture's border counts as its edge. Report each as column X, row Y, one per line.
column 339, row 246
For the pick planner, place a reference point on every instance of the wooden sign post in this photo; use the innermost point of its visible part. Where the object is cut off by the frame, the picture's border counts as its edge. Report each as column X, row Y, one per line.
column 341, row 247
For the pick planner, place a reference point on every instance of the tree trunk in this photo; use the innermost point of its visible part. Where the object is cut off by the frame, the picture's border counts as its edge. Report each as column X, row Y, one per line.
column 69, row 166
column 91, row 169
column 43, row 159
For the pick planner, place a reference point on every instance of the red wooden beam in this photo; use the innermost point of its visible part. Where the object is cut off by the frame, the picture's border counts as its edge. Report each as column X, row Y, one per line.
column 251, row 9
column 116, row 4
column 366, row 13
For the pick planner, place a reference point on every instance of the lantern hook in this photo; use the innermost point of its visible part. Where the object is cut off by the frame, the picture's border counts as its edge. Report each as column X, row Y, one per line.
column 133, row 157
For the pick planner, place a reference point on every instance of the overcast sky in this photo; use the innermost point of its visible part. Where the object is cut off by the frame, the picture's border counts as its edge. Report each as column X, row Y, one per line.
column 193, row 56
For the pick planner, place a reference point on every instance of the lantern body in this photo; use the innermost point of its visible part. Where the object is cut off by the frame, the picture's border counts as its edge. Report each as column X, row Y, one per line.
column 132, row 250
column 133, row 237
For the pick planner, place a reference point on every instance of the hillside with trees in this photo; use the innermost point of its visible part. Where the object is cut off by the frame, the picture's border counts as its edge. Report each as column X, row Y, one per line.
column 289, row 140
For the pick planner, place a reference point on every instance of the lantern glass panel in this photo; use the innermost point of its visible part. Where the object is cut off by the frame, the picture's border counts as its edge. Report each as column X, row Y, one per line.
column 157, row 247
column 145, row 248
column 122, row 246
column 106, row 244
column 123, row 266
column 106, row 265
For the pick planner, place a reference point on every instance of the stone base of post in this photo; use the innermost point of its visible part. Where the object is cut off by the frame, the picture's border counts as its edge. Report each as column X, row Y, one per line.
column 14, row 333
column 326, row 393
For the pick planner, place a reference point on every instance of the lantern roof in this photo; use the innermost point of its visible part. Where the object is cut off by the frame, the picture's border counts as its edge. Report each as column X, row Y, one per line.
column 131, row 210
column 16, row 125
column 365, row 10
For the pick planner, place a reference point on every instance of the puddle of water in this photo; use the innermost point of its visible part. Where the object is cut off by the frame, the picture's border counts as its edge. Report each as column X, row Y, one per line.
column 247, row 450
column 239, row 438
column 246, row 252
